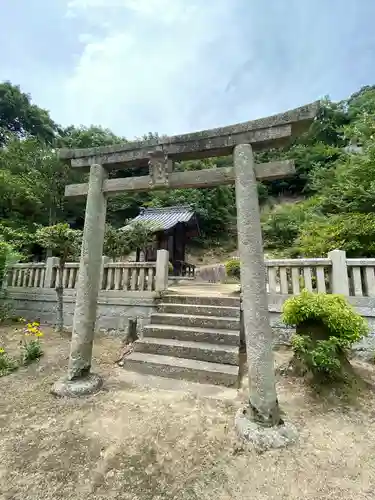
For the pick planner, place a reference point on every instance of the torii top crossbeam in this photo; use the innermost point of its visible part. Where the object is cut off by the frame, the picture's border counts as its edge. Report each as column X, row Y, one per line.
column 262, row 134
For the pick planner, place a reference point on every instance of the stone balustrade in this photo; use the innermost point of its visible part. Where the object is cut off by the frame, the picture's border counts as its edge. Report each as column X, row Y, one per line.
column 118, row 276
column 334, row 274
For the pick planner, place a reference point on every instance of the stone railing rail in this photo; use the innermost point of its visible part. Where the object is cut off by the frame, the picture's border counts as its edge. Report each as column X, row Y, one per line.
column 361, row 277
column 31, row 274
column 334, row 274
column 118, row 276
column 290, row 276
column 129, row 276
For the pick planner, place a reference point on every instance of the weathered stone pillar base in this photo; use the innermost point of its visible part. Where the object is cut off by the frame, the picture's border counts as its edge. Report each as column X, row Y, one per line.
column 77, row 387
column 262, row 438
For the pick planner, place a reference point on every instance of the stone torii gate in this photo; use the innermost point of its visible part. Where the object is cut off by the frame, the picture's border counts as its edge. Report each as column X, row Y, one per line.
column 240, row 140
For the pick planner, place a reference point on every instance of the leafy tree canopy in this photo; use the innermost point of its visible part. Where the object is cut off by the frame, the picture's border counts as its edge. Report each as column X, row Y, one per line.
column 334, row 179
column 20, row 117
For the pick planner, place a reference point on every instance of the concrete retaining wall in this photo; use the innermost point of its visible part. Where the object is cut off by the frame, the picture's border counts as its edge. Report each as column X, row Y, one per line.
column 114, row 308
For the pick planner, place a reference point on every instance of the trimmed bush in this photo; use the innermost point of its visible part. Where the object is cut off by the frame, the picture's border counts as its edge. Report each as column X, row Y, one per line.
column 326, row 328
column 233, row 268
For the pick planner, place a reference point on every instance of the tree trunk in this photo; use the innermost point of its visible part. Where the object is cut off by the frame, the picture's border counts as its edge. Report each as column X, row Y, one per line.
column 60, row 298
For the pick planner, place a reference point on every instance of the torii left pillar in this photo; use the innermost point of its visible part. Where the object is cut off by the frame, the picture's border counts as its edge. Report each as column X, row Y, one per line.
column 80, row 380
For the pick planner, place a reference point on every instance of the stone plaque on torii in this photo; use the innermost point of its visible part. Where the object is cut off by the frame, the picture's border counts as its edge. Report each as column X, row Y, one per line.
column 159, row 155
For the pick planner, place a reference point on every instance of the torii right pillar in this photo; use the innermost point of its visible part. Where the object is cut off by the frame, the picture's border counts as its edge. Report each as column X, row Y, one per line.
column 259, row 423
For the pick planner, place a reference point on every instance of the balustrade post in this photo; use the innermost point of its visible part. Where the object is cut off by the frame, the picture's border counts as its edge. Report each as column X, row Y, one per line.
column 52, row 263
column 162, row 270
column 105, row 261
column 340, row 281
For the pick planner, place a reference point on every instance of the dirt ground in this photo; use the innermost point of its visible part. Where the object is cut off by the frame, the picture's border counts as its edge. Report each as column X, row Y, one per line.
column 148, row 438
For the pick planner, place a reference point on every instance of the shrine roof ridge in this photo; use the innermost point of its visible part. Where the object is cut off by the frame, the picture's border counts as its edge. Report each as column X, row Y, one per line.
column 266, row 132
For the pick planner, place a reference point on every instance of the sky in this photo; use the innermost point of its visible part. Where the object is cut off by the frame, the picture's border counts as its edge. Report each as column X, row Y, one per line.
column 176, row 66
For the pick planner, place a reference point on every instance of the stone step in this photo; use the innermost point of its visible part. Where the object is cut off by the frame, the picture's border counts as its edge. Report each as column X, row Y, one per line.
column 200, row 310
column 201, row 300
column 195, row 334
column 212, row 322
column 200, row 351
column 181, row 368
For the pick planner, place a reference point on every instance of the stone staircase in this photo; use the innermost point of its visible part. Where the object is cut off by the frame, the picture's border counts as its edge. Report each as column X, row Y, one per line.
column 193, row 338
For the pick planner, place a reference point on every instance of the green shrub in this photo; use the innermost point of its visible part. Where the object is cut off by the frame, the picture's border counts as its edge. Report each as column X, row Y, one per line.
column 7, row 364
column 7, row 257
column 281, row 225
column 327, row 326
column 31, row 348
column 5, row 307
column 353, row 232
column 233, row 268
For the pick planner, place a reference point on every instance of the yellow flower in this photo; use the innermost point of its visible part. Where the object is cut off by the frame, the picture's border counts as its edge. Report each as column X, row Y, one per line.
column 35, row 323
column 39, row 334
column 2, row 350
column 29, row 325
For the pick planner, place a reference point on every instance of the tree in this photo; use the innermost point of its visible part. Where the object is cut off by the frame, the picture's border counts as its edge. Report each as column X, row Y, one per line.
column 64, row 243
column 87, row 137
column 22, row 241
column 32, row 182
column 19, row 116
column 282, row 224
column 352, row 232
column 116, row 243
column 141, row 235
column 121, row 242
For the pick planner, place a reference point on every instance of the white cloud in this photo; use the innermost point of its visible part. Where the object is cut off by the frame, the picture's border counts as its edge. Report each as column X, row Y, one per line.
column 145, row 73
column 175, row 66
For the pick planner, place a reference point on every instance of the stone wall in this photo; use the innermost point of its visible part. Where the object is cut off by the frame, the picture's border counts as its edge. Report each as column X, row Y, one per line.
column 115, row 309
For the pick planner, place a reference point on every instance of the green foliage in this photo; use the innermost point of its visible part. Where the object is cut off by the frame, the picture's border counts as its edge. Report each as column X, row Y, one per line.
column 342, row 325
column 7, row 257
column 350, row 187
column 32, row 182
column 341, row 215
column 121, row 242
column 281, row 225
column 141, row 235
column 4, row 251
column 341, row 182
column 19, row 116
column 87, row 137
column 116, row 243
column 63, row 241
column 354, row 233
column 31, row 347
column 5, row 307
column 31, row 351
column 20, row 241
column 233, row 268
column 7, row 364
column 215, row 208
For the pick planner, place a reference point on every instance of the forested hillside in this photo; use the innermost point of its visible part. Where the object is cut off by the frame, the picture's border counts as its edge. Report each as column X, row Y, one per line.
column 335, row 176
